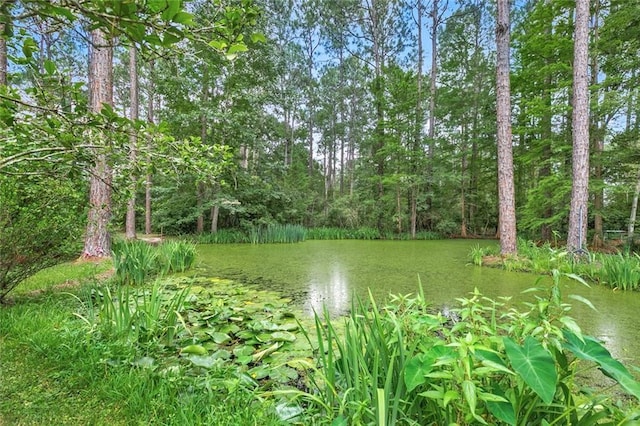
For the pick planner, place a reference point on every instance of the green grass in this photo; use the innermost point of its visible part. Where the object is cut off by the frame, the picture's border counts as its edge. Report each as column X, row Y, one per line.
column 64, row 273
column 59, row 369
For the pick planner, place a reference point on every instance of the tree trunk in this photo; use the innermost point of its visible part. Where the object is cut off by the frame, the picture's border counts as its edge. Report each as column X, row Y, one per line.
column 506, row 191
column 130, row 222
column 597, row 142
column 3, row 51
column 417, row 142
column 215, row 214
column 634, row 210
column 150, row 118
column 580, row 125
column 432, row 110
column 97, row 241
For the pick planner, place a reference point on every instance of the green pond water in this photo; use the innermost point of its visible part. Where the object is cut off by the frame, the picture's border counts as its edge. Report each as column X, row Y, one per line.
column 317, row 273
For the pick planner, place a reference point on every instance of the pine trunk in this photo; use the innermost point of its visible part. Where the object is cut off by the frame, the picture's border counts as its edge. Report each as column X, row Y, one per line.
column 147, row 189
column 580, row 125
column 130, row 222
column 506, row 191
column 97, row 241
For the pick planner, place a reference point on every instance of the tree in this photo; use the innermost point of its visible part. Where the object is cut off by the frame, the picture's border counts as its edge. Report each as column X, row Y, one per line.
column 130, row 222
column 97, row 241
column 506, row 191
column 580, row 118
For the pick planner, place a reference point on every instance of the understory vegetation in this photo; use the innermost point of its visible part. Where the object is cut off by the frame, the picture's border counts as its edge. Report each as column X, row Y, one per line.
column 187, row 350
column 619, row 271
column 276, row 233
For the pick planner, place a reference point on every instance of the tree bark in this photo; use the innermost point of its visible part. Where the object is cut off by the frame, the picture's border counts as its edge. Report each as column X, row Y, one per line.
column 150, row 118
column 130, row 222
column 417, row 143
column 3, row 53
column 506, row 191
column 580, row 125
column 634, row 210
column 97, row 243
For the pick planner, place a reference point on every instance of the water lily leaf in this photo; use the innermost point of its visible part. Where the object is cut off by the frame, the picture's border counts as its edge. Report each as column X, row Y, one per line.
column 264, row 337
column 283, row 336
column 244, row 359
column 243, row 350
column 194, row 349
column 535, row 365
column 245, row 334
column 220, row 338
column 222, row 354
column 259, row 372
column 208, row 361
column 590, row 349
column 283, row 374
column 301, row 363
column 288, row 326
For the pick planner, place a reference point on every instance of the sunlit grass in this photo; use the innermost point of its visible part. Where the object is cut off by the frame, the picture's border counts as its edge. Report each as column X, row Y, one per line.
column 65, row 273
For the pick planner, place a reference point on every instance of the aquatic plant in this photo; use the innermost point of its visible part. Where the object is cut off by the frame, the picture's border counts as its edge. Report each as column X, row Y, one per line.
column 477, row 254
column 134, row 261
column 494, row 365
column 621, row 271
column 176, row 256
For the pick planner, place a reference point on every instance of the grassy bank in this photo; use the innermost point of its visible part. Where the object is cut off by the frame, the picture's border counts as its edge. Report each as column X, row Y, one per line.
column 619, row 271
column 188, row 351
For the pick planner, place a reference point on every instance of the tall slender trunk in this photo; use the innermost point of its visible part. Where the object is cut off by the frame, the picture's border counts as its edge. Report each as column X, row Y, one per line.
column 634, row 210
column 580, row 124
column 150, row 118
column 506, row 191
column 3, row 50
column 433, row 76
column 417, row 142
column 97, row 242
column 130, row 222
column 597, row 141
column 200, row 192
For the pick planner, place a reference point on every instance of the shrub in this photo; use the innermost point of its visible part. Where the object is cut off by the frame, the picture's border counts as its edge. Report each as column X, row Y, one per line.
column 40, row 224
column 480, row 363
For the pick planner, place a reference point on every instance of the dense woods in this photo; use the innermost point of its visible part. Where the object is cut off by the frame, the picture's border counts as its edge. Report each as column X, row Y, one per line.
column 378, row 113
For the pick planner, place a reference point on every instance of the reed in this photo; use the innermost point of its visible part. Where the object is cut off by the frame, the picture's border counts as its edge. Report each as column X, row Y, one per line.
column 176, row 256
column 134, row 262
column 621, row 271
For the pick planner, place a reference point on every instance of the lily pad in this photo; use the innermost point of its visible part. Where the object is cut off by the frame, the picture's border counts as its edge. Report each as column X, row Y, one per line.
column 283, row 336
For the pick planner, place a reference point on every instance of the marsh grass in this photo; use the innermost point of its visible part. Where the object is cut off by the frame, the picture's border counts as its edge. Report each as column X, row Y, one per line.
column 136, row 262
column 621, row 271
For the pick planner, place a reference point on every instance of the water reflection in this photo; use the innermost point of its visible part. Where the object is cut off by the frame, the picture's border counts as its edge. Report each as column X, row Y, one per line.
column 318, row 274
column 328, row 289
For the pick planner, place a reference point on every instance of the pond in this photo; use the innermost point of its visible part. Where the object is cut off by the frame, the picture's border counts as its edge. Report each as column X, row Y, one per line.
column 317, row 273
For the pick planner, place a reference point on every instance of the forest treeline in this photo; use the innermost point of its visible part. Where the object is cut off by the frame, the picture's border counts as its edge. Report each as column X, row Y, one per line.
column 378, row 113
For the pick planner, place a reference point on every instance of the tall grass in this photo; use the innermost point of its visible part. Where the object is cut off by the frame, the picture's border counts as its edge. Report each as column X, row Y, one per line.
column 277, row 234
column 621, row 271
column 135, row 315
column 135, row 262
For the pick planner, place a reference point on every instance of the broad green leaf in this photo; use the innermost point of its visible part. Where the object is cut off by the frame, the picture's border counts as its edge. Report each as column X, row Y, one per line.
column 29, row 46
column 590, row 349
column 535, row 365
column 183, row 18
column 220, row 338
column 218, row 44
column 194, row 349
column 258, row 38
column 415, row 371
column 237, row 48
column 283, row 336
column 173, row 7
column 49, row 67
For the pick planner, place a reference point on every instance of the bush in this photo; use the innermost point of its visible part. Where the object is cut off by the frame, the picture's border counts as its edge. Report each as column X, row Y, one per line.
column 41, row 221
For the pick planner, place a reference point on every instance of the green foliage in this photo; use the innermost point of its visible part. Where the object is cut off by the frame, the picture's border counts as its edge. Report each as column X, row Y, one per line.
column 40, row 224
column 481, row 363
column 137, row 261
column 277, row 234
column 621, row 271
column 135, row 315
